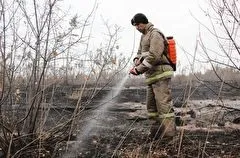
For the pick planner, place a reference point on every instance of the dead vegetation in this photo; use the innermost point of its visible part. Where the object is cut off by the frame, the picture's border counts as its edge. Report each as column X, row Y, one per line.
column 42, row 101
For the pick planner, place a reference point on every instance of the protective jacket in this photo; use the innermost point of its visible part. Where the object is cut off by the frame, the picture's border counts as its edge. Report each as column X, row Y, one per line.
column 154, row 63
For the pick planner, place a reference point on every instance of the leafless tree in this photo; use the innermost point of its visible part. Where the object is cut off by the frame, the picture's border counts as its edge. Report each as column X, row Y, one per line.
column 217, row 45
column 223, row 17
column 38, row 54
column 33, row 36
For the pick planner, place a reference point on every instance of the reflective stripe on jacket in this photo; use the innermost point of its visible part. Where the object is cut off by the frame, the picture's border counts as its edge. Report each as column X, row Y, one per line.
column 157, row 77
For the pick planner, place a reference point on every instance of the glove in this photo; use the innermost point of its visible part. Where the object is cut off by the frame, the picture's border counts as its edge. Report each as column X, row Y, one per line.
column 137, row 62
column 134, row 71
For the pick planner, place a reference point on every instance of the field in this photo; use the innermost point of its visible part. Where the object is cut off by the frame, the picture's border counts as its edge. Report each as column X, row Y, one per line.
column 119, row 127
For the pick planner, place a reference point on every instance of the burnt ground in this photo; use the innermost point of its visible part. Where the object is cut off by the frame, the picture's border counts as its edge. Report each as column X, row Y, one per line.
column 123, row 132
column 120, row 128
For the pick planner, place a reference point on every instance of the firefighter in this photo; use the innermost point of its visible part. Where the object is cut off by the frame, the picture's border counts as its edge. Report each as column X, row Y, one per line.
column 151, row 61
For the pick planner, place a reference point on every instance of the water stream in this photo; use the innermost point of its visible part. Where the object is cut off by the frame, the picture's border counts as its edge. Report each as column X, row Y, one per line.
column 98, row 116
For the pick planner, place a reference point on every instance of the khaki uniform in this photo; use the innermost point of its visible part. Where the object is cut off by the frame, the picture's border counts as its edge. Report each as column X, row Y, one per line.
column 158, row 72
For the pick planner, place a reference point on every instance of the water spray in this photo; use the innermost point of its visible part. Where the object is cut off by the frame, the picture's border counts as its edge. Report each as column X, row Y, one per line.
column 99, row 116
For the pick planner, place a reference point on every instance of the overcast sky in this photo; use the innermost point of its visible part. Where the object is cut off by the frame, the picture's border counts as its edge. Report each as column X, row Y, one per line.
column 172, row 17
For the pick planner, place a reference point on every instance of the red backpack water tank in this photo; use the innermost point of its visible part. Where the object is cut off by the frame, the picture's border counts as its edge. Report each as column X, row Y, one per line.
column 172, row 55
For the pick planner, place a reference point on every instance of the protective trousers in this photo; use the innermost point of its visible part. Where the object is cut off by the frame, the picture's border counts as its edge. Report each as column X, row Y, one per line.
column 159, row 106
